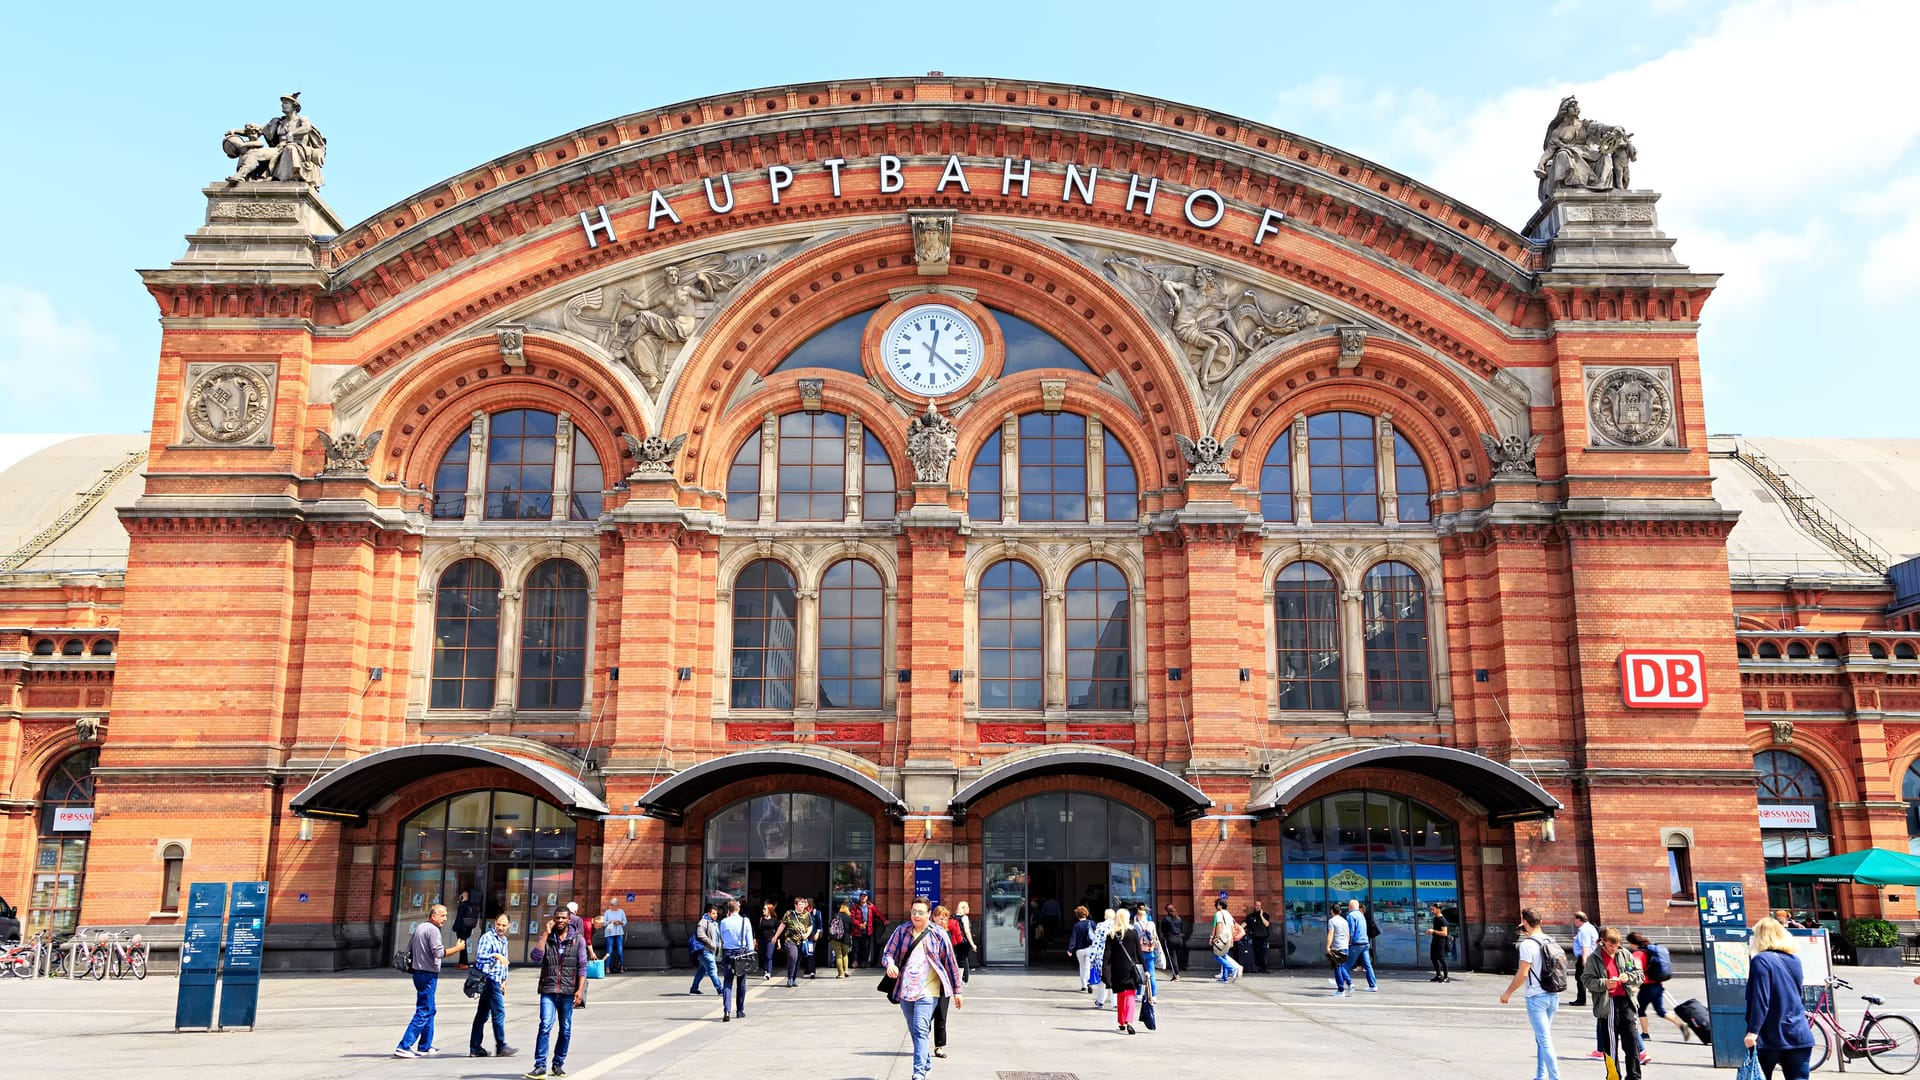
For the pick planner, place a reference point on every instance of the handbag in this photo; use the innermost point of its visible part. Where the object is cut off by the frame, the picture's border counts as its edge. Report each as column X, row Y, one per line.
column 1147, row 1017
column 888, row 982
column 1750, row 1068
column 596, row 969
column 476, row 981
column 1336, row 957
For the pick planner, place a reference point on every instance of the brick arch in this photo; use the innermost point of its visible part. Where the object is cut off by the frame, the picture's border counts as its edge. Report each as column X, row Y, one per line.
column 432, row 402
column 1436, row 412
column 38, row 763
column 842, row 393
column 1044, row 285
column 1829, row 762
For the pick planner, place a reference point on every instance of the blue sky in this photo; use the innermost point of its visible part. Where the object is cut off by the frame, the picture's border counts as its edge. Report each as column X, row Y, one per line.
column 1781, row 134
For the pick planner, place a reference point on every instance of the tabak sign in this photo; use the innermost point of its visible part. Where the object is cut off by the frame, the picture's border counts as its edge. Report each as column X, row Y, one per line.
column 1663, row 679
column 73, row 819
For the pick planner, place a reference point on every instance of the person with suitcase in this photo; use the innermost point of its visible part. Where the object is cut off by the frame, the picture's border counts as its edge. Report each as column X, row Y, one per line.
column 1693, row 1013
column 1657, row 964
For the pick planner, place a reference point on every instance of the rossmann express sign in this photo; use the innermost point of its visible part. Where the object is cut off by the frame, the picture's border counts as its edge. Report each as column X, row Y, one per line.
column 1663, row 679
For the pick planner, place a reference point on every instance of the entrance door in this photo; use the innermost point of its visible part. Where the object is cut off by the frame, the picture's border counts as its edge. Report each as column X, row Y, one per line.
column 1050, row 853
column 781, row 882
column 1056, row 889
column 510, row 852
column 777, row 847
column 1394, row 855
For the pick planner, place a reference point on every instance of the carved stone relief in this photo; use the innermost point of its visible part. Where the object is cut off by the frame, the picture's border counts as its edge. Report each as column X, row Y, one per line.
column 932, row 443
column 1053, row 395
column 229, row 404
column 1220, row 321
column 653, row 455
column 348, row 454
column 645, row 320
column 1583, row 155
column 1630, row 406
column 932, row 241
column 812, row 392
column 1513, row 455
column 1782, row 732
column 1207, row 457
column 513, row 344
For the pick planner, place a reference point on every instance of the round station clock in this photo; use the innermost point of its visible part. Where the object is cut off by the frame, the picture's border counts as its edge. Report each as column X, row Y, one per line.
column 931, row 349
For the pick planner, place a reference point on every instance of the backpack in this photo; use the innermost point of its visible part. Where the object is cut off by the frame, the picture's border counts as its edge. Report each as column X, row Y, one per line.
column 1552, row 971
column 837, row 930
column 1659, row 964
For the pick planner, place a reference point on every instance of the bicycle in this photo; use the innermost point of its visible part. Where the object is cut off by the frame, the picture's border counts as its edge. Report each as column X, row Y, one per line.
column 1890, row 1041
column 116, row 954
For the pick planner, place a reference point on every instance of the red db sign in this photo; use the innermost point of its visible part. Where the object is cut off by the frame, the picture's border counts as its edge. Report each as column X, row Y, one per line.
column 1674, row 679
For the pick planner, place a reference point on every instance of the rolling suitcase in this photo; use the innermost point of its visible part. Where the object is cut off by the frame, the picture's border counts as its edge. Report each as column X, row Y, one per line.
column 1693, row 1013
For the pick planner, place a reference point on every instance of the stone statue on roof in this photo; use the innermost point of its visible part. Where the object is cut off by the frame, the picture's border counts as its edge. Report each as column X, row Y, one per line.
column 287, row 147
column 1583, row 155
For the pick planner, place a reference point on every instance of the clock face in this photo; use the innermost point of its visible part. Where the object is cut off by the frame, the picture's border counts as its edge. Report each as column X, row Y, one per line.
column 930, row 350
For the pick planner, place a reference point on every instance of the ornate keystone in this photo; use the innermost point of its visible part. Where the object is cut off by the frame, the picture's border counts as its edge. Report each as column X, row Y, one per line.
column 653, row 455
column 932, row 241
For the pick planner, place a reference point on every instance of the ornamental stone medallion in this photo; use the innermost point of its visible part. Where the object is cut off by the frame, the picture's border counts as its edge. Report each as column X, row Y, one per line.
column 229, row 405
column 1630, row 407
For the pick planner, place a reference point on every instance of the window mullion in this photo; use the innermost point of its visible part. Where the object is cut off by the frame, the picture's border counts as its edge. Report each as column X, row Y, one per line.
column 1010, row 469
column 507, row 654
column 1302, row 478
column 476, row 468
column 855, row 477
column 562, row 469
column 1385, row 464
column 1096, row 459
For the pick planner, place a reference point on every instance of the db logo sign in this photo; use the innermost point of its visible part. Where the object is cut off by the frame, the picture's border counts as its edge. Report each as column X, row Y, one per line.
column 1674, row 679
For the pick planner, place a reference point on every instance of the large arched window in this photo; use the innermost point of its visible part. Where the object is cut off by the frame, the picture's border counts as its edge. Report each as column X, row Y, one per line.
column 743, row 481
column 1410, row 481
column 1340, row 468
column 1306, row 623
column 852, row 609
column 1399, row 678
column 587, row 481
column 1099, row 648
column 520, row 458
column 983, row 482
column 1122, row 485
column 1010, row 634
column 1795, row 827
column 450, row 479
column 1276, row 480
column 813, row 467
column 765, row 609
column 60, row 862
column 553, row 637
column 466, row 636
column 1053, row 467
column 877, row 485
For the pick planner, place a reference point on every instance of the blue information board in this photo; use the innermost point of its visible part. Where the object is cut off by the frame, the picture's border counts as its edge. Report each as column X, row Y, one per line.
column 926, row 880
column 1723, row 952
column 240, row 974
column 200, row 956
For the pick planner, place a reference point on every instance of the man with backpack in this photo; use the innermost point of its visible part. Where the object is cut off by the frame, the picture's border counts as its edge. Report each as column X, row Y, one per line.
column 704, row 946
column 1657, row 964
column 1543, row 972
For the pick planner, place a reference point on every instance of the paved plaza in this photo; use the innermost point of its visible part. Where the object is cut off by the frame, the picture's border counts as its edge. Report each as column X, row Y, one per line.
column 1014, row 1024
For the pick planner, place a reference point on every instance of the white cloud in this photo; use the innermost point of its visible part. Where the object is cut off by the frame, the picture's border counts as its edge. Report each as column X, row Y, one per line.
column 45, row 356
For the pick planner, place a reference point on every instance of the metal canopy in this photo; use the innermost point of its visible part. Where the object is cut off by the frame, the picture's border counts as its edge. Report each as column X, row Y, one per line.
column 1186, row 801
column 1507, row 795
column 671, row 798
column 353, row 789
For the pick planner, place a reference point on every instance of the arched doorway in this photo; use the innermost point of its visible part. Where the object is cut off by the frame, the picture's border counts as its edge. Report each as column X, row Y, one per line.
column 1047, row 853
column 777, row 847
column 509, row 852
column 60, row 858
column 1795, row 828
column 1393, row 854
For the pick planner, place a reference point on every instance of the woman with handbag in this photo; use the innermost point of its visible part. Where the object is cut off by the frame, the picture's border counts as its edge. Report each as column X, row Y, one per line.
column 767, row 932
column 943, row 924
column 920, row 971
column 490, row 963
column 796, row 932
column 1225, row 933
column 1777, row 1027
column 1121, row 969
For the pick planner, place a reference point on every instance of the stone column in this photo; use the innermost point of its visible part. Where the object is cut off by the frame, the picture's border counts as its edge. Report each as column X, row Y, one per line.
column 476, row 468
column 856, row 469
column 1353, row 649
column 562, row 469
column 1096, row 472
column 507, row 665
column 1053, row 636
column 1302, row 479
column 769, row 466
column 806, row 684
column 1384, row 469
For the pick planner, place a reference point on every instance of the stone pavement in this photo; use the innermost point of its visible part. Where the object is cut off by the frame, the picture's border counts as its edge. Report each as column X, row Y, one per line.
column 639, row 1026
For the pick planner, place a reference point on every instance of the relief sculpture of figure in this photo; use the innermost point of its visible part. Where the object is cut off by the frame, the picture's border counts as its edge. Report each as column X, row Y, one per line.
column 1583, row 154
column 1202, row 313
column 932, row 443
column 288, row 147
column 664, row 315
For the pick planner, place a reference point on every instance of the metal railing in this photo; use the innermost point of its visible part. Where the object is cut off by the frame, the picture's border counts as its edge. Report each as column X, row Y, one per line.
column 82, row 505
column 1816, row 517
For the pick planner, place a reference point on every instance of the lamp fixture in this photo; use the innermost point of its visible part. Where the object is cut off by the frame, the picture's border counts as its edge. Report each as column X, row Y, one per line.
column 633, row 829
column 905, row 675
column 953, row 675
column 306, row 828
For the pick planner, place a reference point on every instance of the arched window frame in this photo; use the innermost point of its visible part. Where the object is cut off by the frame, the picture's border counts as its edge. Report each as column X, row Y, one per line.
column 1786, row 778
column 1411, row 490
column 1054, row 467
column 744, row 481
column 1399, row 673
column 1679, row 866
column 1307, row 641
column 764, row 600
column 985, row 483
column 851, row 645
column 452, row 477
column 523, row 457
column 1099, row 673
column 879, row 486
column 465, row 671
column 1011, row 624
column 58, row 886
column 1276, row 479
column 173, row 859
column 556, row 622
column 1343, row 463
column 586, row 484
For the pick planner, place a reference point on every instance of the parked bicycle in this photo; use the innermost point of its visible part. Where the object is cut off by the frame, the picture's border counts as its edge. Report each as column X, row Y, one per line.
column 1890, row 1041
column 19, row 959
column 117, row 954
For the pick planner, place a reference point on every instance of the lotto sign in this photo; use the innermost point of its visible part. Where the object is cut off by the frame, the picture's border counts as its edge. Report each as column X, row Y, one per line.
column 1664, row 680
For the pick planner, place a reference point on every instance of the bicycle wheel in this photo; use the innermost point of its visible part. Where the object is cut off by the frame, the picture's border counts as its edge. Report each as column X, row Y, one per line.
column 1822, row 1045
column 97, row 960
column 116, row 963
column 1893, row 1043
column 137, row 960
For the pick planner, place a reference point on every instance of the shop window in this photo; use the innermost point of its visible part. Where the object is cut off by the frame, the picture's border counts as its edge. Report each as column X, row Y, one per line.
column 103, row 647
column 450, row 479
column 743, row 481
column 43, row 647
column 983, row 482
column 1123, row 487
column 836, row 348
column 1340, row 468
column 60, row 856
column 1030, row 348
column 813, row 467
column 173, row 859
column 553, row 637
column 1393, row 854
column 587, row 482
column 466, row 636
column 1306, row 622
column 1010, row 637
column 1797, row 650
column 1679, row 867
column 877, row 484
column 73, row 647
column 485, row 853
column 1410, row 481
column 1276, row 479
column 1053, row 467
column 520, row 460
column 1789, row 782
column 1099, row 643
column 765, row 617
column 852, row 622
column 1395, row 633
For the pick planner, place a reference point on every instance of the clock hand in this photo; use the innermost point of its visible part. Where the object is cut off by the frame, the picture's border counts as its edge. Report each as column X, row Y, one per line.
column 943, row 363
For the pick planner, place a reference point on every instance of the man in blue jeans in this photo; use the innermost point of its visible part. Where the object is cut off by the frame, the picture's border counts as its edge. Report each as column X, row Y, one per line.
column 562, row 956
column 1541, row 1003
column 1360, row 946
column 706, row 958
column 426, row 951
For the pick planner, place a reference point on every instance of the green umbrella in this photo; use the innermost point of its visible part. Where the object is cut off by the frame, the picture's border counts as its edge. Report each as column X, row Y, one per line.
column 1873, row 866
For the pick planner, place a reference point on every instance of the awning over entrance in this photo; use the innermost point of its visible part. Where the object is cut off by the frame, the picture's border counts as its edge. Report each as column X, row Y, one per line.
column 670, row 800
column 353, row 789
column 1507, row 795
column 1187, row 802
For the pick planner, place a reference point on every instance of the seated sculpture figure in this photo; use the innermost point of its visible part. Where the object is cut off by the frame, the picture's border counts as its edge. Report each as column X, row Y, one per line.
column 288, row 147
column 1583, row 154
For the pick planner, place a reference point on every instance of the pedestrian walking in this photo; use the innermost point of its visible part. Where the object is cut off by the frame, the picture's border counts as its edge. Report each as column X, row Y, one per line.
column 812, row 943
column 426, row 950
column 768, row 931
column 706, row 954
column 466, row 918
column 839, row 929
column 1339, row 940
column 1360, row 946
column 921, row 964
column 562, row 955
column 862, row 931
column 965, row 948
column 943, row 924
column 1612, row 978
column 583, row 929
column 1260, row 929
column 1150, row 951
column 1584, row 939
column 1777, row 1027
column 737, row 955
column 1120, row 969
column 1439, row 943
column 491, row 958
column 1175, row 935
column 1656, row 966
column 1098, row 958
column 615, row 918
column 1225, row 933
column 796, row 926
column 1538, row 957
column 1080, row 945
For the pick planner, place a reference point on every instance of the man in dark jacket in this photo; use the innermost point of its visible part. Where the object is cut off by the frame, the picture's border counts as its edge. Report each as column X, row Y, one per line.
column 562, row 956
column 1260, row 930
